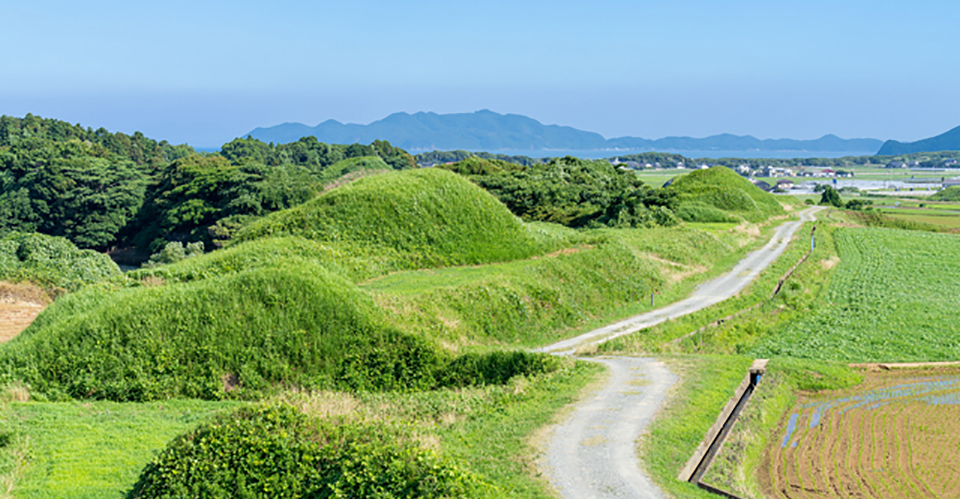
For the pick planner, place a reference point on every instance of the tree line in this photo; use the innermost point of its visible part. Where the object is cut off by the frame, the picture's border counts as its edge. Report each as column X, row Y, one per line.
column 103, row 190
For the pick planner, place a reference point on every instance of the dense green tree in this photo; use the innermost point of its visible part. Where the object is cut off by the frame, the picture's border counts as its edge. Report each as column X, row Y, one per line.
column 571, row 191
column 71, row 189
column 831, row 197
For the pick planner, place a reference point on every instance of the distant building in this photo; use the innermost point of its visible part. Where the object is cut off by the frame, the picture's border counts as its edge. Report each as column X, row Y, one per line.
column 763, row 186
column 785, row 184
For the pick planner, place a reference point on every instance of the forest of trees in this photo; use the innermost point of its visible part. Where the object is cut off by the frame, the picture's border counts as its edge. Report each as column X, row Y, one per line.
column 572, row 191
column 103, row 190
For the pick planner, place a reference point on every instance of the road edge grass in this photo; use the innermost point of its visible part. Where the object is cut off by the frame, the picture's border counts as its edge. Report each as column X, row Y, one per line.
column 705, row 384
column 700, row 331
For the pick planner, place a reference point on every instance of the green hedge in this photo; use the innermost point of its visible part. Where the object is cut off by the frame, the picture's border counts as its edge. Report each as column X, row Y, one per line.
column 52, row 261
column 277, row 452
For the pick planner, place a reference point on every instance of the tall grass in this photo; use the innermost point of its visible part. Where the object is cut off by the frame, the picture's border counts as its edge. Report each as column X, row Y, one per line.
column 219, row 337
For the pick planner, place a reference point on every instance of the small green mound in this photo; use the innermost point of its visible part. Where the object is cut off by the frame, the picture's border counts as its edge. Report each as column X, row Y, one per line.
column 234, row 335
column 52, row 261
column 724, row 190
column 350, row 165
column 437, row 215
column 479, row 166
column 278, row 452
column 951, row 193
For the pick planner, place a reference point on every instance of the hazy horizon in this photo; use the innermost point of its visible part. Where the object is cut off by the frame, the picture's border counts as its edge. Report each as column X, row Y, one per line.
column 206, row 72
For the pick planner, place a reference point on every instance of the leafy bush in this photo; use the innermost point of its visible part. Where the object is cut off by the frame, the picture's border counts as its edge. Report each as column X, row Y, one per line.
column 831, row 197
column 571, row 191
column 496, row 368
column 277, row 452
column 435, row 214
column 52, row 261
column 174, row 252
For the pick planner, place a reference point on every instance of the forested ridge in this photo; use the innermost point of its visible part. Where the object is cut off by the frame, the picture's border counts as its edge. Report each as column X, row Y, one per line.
column 104, row 190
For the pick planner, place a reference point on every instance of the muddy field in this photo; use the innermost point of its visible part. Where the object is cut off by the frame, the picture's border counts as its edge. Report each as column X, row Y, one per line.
column 895, row 436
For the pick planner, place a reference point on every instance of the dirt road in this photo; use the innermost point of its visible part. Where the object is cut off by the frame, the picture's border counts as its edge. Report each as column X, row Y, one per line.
column 593, row 454
column 707, row 294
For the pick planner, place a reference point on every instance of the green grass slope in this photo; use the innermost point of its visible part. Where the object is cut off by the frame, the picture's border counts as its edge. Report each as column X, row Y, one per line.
column 949, row 194
column 714, row 194
column 218, row 337
column 435, row 214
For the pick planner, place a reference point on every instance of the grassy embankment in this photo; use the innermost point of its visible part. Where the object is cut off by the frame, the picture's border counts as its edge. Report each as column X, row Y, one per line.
column 209, row 296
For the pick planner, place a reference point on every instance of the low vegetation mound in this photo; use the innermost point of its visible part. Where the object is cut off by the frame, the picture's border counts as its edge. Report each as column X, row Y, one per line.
column 350, row 165
column 233, row 335
column 51, row 261
column 278, row 452
column 722, row 189
column 951, row 193
column 433, row 214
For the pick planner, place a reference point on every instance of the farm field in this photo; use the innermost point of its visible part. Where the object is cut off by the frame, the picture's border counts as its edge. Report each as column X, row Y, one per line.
column 896, row 435
column 894, row 298
column 948, row 220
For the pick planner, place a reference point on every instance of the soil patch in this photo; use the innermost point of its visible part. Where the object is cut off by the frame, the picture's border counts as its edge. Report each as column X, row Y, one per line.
column 15, row 317
column 897, row 435
column 20, row 304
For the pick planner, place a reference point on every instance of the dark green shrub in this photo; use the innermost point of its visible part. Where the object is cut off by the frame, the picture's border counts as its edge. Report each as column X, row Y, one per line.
column 278, row 452
column 52, row 261
column 831, row 197
column 496, row 368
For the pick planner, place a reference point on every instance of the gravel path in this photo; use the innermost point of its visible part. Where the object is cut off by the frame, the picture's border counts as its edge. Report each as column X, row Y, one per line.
column 707, row 294
column 593, row 454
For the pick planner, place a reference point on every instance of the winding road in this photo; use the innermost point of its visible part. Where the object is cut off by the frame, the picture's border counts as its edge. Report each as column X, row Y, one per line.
column 592, row 455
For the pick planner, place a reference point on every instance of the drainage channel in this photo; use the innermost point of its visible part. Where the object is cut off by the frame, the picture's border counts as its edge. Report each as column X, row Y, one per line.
column 701, row 460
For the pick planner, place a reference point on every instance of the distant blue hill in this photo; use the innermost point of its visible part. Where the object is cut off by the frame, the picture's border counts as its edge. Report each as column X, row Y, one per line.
column 490, row 131
column 949, row 141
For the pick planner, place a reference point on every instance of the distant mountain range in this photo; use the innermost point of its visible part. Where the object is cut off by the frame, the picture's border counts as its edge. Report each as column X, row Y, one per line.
column 490, row 131
column 949, row 141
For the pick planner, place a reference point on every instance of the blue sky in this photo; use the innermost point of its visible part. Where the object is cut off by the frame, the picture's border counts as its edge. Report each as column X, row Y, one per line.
column 205, row 72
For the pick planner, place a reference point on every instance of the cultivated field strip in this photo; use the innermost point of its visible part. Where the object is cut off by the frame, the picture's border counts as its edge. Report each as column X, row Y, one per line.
column 899, row 437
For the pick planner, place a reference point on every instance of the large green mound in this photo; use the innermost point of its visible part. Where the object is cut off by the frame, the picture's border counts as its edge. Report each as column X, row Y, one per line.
column 435, row 214
column 951, row 193
column 236, row 334
column 709, row 195
column 280, row 453
column 52, row 261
